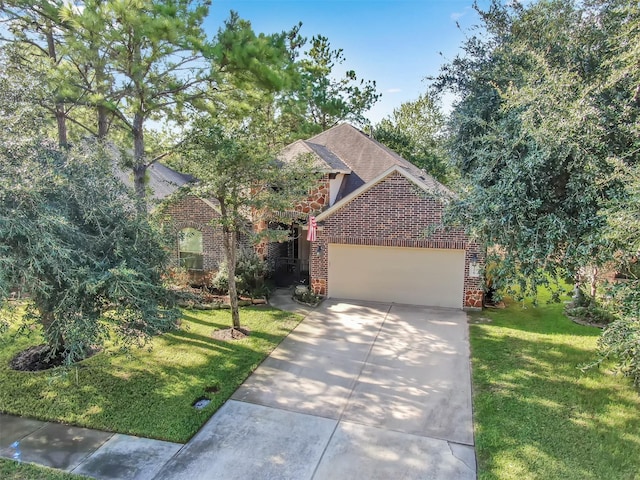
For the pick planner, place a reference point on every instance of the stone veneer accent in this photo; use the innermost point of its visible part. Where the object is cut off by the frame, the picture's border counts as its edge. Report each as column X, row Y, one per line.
column 318, row 198
column 393, row 213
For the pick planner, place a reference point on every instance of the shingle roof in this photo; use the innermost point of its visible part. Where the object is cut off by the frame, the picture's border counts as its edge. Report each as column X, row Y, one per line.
column 162, row 181
column 323, row 159
column 366, row 158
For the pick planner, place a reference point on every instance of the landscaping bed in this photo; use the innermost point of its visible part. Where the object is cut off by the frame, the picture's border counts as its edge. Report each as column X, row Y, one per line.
column 537, row 414
column 149, row 393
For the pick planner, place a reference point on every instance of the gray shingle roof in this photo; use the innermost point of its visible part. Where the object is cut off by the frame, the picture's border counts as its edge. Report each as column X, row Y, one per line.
column 162, row 181
column 366, row 158
column 323, row 159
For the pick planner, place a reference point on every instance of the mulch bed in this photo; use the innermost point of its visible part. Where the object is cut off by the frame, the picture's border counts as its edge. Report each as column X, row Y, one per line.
column 230, row 334
column 38, row 357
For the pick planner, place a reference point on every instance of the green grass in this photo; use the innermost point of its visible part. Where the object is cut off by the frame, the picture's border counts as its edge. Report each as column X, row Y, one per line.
column 147, row 393
column 537, row 415
column 10, row 470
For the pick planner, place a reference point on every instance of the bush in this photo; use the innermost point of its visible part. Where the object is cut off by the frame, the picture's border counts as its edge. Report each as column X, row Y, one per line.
column 250, row 273
column 305, row 295
column 591, row 313
column 621, row 341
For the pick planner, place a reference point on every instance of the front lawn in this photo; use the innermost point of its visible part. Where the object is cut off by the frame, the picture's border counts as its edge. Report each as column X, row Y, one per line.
column 10, row 470
column 536, row 414
column 147, row 393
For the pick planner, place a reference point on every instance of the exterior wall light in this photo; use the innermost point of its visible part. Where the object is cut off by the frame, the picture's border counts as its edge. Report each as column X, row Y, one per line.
column 474, row 269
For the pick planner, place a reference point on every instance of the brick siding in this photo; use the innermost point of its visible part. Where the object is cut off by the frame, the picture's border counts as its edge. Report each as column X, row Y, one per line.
column 191, row 212
column 393, row 213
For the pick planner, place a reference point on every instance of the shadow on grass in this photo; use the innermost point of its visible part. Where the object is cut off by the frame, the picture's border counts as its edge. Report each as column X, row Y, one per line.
column 537, row 415
column 147, row 393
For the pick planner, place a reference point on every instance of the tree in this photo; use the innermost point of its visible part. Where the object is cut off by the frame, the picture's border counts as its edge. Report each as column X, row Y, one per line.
column 154, row 52
column 322, row 100
column 528, row 139
column 35, row 27
column 236, row 169
column 620, row 107
column 415, row 130
column 70, row 238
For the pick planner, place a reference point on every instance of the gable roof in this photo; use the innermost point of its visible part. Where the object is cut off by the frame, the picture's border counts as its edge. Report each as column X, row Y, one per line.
column 162, row 181
column 444, row 192
column 323, row 159
column 366, row 158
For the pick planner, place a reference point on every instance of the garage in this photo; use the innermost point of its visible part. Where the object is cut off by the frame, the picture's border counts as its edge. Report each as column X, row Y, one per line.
column 417, row 276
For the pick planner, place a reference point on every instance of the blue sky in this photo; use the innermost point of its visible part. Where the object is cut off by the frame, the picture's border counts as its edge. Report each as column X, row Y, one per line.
column 397, row 43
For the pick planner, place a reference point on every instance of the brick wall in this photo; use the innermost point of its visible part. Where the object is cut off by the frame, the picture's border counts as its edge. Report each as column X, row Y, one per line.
column 192, row 212
column 393, row 213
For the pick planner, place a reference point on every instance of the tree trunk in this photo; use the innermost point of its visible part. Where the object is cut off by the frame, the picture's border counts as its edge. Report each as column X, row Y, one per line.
column 103, row 123
column 61, row 117
column 52, row 335
column 139, row 165
column 230, row 249
column 594, row 281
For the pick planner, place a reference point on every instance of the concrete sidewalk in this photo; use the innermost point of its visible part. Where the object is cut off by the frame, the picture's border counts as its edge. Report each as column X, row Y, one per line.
column 93, row 453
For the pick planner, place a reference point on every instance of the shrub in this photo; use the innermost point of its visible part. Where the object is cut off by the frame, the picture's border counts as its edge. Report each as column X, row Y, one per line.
column 305, row 295
column 621, row 341
column 591, row 313
column 250, row 273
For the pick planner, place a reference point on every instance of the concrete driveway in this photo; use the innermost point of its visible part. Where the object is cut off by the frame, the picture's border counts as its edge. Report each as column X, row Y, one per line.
column 358, row 390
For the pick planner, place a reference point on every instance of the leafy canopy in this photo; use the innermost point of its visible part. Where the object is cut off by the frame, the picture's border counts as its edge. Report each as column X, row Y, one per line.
column 71, row 240
column 531, row 135
column 415, row 130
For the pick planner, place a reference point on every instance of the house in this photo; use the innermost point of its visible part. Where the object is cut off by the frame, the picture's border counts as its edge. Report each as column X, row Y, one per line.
column 198, row 242
column 379, row 234
column 379, row 231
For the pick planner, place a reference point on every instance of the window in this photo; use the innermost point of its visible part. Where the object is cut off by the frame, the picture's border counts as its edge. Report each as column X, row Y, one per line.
column 190, row 249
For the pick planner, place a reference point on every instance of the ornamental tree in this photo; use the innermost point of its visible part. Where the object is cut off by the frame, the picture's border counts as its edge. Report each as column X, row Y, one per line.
column 72, row 241
column 237, row 170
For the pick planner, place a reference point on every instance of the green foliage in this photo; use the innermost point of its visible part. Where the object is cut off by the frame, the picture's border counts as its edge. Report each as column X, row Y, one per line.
column 621, row 341
column 415, row 131
column 146, row 392
column 236, row 168
column 591, row 314
column 71, row 239
column 306, row 296
column 321, row 100
column 249, row 275
column 533, row 132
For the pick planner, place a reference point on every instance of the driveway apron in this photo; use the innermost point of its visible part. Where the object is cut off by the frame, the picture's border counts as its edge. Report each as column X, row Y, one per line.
column 357, row 390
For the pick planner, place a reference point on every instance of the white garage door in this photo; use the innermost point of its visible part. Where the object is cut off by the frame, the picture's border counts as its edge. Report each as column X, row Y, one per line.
column 418, row 276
